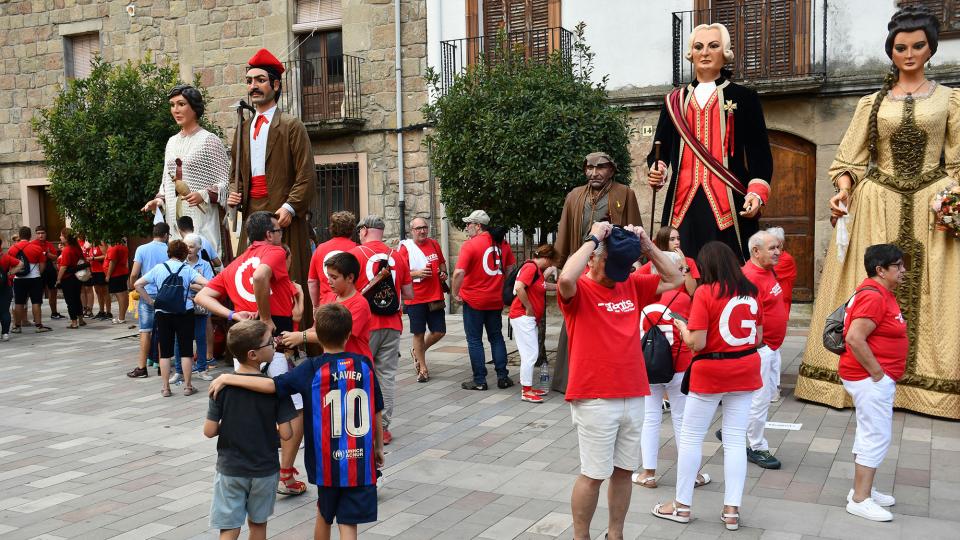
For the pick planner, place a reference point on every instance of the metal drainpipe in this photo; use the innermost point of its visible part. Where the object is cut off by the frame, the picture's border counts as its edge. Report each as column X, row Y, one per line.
column 399, row 77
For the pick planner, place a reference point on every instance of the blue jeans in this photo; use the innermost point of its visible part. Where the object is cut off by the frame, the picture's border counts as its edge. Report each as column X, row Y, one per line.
column 200, row 335
column 474, row 321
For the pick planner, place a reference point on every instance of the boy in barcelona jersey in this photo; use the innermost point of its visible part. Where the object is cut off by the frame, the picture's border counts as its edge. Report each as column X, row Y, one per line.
column 342, row 423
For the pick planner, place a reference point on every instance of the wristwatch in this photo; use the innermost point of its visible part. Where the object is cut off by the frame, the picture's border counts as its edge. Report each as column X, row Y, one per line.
column 593, row 238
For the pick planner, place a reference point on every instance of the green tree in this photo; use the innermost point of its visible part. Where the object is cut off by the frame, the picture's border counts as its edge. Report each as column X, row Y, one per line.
column 104, row 139
column 510, row 135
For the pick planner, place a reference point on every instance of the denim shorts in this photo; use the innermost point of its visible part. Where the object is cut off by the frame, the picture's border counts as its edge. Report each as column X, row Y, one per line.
column 145, row 314
column 237, row 498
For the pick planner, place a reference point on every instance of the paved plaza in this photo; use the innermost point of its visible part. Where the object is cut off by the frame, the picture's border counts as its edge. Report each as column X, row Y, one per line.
column 87, row 453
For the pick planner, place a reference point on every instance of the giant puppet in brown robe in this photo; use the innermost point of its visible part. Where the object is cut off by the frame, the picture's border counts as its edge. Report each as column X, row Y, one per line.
column 286, row 180
column 600, row 199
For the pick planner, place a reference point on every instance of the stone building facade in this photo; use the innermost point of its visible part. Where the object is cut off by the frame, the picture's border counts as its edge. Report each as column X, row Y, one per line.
column 43, row 42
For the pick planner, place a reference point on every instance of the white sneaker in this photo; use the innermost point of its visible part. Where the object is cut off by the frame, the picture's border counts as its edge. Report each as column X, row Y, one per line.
column 868, row 509
column 206, row 376
column 881, row 499
column 775, row 397
column 5, row 337
column 176, row 378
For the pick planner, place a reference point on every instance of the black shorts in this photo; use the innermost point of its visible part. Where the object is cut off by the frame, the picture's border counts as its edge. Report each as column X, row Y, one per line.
column 118, row 284
column 24, row 288
column 96, row 279
column 49, row 276
column 173, row 327
column 421, row 318
column 350, row 506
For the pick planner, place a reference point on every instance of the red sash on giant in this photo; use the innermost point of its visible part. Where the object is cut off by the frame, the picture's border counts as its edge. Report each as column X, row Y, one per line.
column 675, row 110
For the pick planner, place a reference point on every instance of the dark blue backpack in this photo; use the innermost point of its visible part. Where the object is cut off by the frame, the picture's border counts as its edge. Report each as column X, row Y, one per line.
column 172, row 296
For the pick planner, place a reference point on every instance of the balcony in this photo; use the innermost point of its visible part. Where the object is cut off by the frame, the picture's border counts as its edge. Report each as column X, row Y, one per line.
column 779, row 45
column 325, row 93
column 535, row 45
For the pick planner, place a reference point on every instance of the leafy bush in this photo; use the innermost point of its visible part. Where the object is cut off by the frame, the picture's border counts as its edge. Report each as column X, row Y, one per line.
column 104, row 139
column 510, row 136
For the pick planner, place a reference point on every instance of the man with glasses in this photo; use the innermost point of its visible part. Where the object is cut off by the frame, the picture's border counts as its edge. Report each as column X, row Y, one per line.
column 600, row 199
column 259, row 286
column 426, row 310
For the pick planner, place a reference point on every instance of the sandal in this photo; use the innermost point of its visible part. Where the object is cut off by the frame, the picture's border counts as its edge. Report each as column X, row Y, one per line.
column 672, row 516
column 289, row 485
column 83, row 322
column 699, row 483
column 165, row 392
column 41, row 329
column 648, row 482
column 16, row 330
column 189, row 391
column 422, row 376
column 73, row 326
column 731, row 526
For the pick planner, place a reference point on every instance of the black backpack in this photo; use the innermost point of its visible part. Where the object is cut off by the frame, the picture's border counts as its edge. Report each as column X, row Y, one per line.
column 172, row 295
column 657, row 352
column 833, row 327
column 25, row 271
column 381, row 292
column 508, row 294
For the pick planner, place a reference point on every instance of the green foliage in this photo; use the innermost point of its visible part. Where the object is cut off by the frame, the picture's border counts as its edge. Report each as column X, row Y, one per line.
column 510, row 136
column 104, row 139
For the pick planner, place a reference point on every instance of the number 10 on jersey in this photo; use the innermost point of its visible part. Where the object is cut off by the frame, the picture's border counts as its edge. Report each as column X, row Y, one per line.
column 355, row 408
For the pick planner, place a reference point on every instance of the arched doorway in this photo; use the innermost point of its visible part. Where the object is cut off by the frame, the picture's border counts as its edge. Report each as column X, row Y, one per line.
column 791, row 203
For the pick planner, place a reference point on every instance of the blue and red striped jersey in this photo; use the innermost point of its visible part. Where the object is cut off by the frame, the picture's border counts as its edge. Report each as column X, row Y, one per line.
column 341, row 398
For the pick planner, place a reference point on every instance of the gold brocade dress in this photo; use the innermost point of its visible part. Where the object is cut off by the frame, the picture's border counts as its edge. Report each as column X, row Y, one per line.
column 891, row 204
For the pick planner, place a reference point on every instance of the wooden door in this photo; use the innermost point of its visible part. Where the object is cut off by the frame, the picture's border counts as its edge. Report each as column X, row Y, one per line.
column 791, row 204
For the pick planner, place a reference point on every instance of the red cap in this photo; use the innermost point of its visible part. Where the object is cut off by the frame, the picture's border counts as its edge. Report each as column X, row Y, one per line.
column 266, row 60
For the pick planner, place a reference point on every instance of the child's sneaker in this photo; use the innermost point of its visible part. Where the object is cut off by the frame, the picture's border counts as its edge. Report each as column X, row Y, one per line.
column 289, row 485
column 526, row 394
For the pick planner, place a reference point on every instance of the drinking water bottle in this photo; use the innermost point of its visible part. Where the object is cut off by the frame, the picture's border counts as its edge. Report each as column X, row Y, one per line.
column 544, row 376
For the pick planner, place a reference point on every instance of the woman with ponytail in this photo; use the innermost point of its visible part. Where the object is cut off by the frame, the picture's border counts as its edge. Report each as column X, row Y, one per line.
column 902, row 148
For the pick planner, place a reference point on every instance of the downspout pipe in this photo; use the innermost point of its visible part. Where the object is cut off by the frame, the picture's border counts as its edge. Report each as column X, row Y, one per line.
column 398, row 69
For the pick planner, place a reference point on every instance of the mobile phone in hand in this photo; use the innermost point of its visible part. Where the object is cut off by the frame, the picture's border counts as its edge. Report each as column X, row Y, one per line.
column 676, row 316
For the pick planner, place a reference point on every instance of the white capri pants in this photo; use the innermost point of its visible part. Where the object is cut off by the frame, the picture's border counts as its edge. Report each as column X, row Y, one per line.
column 874, row 403
column 653, row 416
column 697, row 417
column 608, row 434
column 277, row 366
column 528, row 345
column 760, row 404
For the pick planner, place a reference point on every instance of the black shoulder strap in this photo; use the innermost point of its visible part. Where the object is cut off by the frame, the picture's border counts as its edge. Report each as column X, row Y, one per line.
column 662, row 313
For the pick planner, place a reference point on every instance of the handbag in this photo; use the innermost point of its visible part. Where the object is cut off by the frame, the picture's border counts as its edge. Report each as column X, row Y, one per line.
column 82, row 271
column 833, row 327
column 436, row 305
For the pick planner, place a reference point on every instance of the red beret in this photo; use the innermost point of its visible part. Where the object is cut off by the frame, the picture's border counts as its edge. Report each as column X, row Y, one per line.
column 266, row 60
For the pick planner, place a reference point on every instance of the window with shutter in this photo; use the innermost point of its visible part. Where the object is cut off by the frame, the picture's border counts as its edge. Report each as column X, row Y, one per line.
column 946, row 11
column 79, row 52
column 318, row 15
column 526, row 22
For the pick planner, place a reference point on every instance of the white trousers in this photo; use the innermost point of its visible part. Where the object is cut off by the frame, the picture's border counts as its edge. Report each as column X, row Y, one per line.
column 528, row 345
column 874, row 403
column 697, row 417
column 760, row 404
column 653, row 416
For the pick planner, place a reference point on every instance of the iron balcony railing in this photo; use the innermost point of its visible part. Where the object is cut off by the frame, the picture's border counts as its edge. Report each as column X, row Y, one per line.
column 534, row 45
column 323, row 89
column 773, row 40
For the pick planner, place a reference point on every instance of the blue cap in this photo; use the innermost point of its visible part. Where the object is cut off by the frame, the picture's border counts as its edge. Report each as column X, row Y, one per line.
column 623, row 249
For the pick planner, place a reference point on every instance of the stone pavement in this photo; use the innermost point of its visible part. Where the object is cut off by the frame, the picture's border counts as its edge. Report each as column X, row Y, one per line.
column 87, row 453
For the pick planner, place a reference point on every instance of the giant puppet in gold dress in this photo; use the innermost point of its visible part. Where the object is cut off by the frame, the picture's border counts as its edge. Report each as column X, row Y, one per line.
column 895, row 156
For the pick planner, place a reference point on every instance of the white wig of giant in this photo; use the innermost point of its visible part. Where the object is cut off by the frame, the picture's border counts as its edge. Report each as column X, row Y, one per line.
column 674, row 258
column 725, row 43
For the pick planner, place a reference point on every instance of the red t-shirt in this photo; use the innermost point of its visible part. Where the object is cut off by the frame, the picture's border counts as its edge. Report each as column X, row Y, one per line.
column 603, row 343
column 530, row 276
column 888, row 341
column 119, row 253
column 482, row 286
column 359, row 340
column 369, row 254
column 786, row 270
column 69, row 258
column 31, row 250
column 694, row 272
column 731, row 324
column 236, row 280
column 47, row 247
column 96, row 265
column 427, row 289
column 337, row 244
column 6, row 263
column 770, row 294
column 676, row 301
